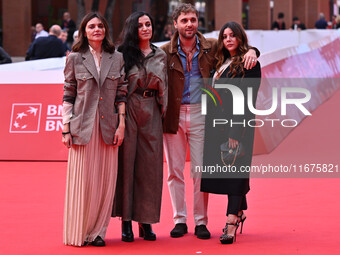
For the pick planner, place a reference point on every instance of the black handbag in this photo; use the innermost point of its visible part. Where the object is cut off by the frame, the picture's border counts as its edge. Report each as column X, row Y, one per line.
column 229, row 155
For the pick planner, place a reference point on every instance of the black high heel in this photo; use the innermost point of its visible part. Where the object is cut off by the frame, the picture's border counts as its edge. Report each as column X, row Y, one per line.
column 127, row 234
column 228, row 239
column 241, row 220
column 145, row 230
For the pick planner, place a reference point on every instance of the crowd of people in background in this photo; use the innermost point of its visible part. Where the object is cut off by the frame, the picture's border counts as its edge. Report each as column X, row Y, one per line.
column 164, row 29
column 321, row 23
column 47, row 46
column 57, row 42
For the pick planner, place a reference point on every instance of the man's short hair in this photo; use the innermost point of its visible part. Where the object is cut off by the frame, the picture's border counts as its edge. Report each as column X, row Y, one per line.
column 185, row 8
column 281, row 15
column 56, row 30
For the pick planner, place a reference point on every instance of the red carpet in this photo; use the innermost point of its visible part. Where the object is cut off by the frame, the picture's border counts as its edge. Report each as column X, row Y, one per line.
column 285, row 216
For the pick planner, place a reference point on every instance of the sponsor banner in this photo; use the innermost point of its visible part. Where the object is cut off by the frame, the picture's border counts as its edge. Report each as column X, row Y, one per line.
column 31, row 122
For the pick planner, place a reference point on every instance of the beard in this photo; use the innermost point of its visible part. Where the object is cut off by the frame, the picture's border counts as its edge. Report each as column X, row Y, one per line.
column 185, row 35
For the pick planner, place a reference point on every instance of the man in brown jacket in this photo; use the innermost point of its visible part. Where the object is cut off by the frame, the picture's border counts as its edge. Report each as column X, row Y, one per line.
column 190, row 57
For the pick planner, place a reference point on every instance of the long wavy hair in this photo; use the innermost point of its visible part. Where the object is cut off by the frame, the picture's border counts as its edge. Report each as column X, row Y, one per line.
column 129, row 41
column 82, row 44
column 222, row 53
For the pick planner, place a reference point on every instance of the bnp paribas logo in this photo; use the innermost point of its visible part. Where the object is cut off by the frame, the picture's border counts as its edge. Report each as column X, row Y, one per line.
column 25, row 118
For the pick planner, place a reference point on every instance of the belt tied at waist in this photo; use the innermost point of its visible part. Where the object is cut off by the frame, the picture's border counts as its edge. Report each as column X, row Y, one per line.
column 145, row 92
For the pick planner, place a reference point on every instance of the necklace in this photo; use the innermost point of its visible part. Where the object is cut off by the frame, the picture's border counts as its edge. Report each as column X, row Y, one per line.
column 189, row 54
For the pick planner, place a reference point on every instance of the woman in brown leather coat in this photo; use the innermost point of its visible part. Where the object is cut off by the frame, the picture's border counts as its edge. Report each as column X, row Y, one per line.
column 140, row 171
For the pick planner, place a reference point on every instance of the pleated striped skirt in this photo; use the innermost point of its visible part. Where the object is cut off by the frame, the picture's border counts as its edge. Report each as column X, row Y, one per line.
column 90, row 188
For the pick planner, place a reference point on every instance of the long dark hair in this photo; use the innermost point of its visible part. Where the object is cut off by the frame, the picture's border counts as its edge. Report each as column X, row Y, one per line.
column 129, row 41
column 82, row 44
column 222, row 53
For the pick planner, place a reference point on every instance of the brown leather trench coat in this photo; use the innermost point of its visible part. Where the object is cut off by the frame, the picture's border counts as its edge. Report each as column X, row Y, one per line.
column 206, row 61
column 140, row 165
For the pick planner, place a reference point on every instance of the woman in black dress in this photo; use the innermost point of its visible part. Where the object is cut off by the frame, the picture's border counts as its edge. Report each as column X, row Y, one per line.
column 232, row 45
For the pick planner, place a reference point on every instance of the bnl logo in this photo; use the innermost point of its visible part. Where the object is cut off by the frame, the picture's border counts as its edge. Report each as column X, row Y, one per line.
column 238, row 100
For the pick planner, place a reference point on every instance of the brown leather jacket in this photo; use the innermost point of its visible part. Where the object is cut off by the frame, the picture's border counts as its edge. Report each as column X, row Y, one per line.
column 206, row 60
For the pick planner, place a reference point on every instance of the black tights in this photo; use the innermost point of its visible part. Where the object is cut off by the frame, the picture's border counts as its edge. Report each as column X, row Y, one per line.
column 236, row 203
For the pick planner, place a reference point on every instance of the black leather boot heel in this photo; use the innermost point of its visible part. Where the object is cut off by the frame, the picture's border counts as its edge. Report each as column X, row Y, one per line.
column 127, row 234
column 145, row 230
